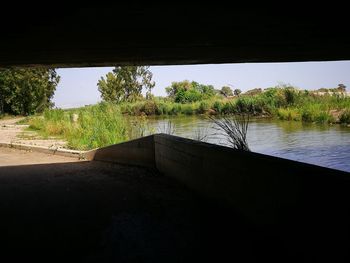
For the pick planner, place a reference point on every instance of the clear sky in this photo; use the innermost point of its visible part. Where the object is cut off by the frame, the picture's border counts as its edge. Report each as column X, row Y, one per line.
column 78, row 86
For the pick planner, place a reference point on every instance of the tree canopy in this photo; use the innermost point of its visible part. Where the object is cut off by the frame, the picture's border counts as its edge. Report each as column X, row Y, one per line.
column 186, row 91
column 236, row 92
column 27, row 90
column 126, row 83
column 226, row 91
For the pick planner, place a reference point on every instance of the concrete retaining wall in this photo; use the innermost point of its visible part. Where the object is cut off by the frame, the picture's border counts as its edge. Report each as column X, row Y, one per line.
column 138, row 152
column 301, row 208
column 262, row 188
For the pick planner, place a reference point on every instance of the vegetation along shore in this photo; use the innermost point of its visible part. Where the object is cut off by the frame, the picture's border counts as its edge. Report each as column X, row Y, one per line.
column 127, row 91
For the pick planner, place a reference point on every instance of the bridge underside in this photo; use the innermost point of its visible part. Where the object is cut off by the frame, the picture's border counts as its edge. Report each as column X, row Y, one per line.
column 101, row 34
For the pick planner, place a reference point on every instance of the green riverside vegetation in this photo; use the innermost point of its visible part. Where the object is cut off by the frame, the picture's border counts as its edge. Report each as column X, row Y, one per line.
column 29, row 92
column 84, row 128
column 104, row 123
column 285, row 103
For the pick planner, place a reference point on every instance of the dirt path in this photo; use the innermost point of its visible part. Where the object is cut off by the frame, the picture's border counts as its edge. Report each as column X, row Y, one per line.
column 10, row 132
column 12, row 157
column 9, row 129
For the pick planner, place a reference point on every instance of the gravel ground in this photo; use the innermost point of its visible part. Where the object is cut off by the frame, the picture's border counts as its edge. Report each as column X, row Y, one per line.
column 10, row 132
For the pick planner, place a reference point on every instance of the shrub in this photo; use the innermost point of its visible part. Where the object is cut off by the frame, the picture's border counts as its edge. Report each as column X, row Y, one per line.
column 307, row 115
column 97, row 126
column 186, row 96
column 149, row 107
column 234, row 129
column 176, row 109
column 345, row 117
column 324, row 117
column 187, row 109
column 204, row 106
column 229, row 108
column 290, row 95
column 218, row 106
column 251, row 105
column 288, row 114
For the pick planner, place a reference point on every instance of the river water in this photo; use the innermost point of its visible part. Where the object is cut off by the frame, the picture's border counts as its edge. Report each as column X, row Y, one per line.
column 323, row 145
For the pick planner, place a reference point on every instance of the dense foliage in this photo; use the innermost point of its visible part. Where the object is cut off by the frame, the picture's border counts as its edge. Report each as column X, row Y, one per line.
column 27, row 90
column 96, row 126
column 126, row 84
column 186, row 91
column 226, row 91
column 287, row 103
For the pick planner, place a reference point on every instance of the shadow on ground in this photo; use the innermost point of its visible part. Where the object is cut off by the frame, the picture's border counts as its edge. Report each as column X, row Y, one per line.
column 101, row 212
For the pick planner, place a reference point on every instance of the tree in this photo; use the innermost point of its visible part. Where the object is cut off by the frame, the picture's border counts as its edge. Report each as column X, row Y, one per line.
column 341, row 88
column 226, row 91
column 176, row 87
column 27, row 90
column 237, row 92
column 126, row 83
column 253, row 92
column 207, row 91
column 186, row 91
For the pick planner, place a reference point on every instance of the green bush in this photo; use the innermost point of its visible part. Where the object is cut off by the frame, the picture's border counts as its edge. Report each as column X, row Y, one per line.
column 204, row 106
column 290, row 95
column 186, row 96
column 252, row 105
column 218, row 106
column 324, row 117
column 229, row 108
column 175, row 109
column 345, row 117
column 307, row 115
column 187, row 109
column 149, row 107
column 288, row 114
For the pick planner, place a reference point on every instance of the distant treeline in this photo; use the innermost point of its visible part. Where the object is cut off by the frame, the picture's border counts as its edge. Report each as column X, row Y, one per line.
column 283, row 102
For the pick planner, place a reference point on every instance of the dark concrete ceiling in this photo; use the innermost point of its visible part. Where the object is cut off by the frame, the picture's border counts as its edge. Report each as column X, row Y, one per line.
column 103, row 34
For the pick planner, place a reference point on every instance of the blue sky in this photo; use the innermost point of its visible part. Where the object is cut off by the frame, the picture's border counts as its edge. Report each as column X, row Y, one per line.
column 78, row 85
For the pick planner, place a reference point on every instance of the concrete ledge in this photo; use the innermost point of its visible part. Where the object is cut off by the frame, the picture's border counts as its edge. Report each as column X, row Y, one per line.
column 139, row 152
column 62, row 152
column 263, row 188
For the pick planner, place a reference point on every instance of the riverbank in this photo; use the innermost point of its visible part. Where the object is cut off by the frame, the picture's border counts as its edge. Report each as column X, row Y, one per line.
column 109, row 123
column 321, row 144
column 280, row 103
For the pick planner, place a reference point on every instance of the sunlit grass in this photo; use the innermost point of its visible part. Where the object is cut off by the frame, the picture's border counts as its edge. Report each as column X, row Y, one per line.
column 95, row 126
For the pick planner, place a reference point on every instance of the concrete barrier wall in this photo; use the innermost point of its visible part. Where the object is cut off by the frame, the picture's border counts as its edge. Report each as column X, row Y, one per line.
column 263, row 188
column 138, row 152
column 303, row 207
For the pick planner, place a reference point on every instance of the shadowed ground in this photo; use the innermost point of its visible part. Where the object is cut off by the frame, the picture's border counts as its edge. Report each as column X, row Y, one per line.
column 80, row 211
column 101, row 212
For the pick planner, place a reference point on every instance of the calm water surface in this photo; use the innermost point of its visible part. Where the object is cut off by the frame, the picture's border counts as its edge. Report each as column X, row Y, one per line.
column 323, row 145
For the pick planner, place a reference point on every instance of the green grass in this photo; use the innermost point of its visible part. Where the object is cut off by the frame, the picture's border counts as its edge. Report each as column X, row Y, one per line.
column 289, row 114
column 97, row 126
